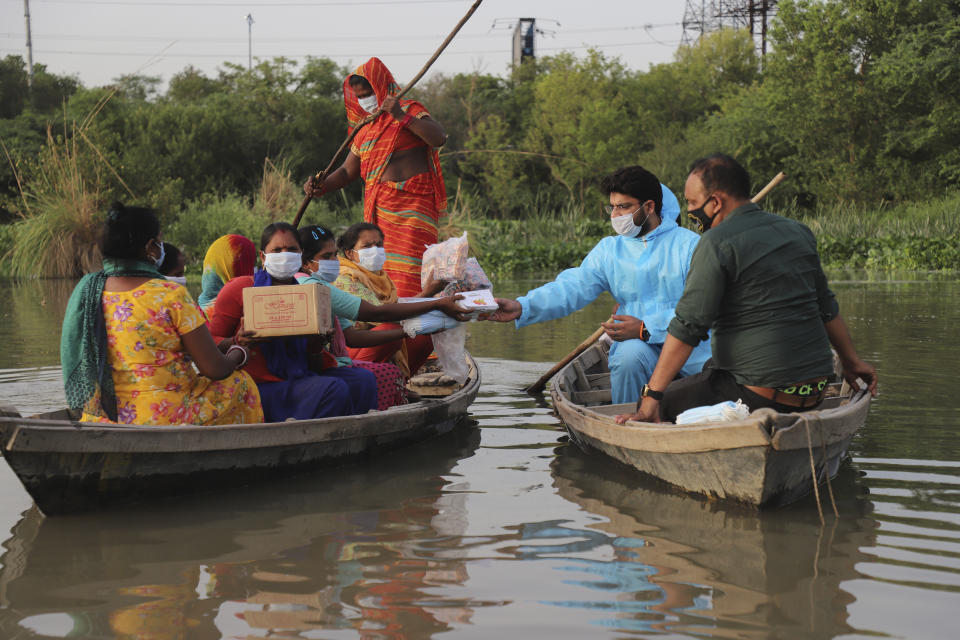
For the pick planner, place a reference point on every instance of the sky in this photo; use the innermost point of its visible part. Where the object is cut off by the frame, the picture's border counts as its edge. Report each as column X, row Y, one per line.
column 99, row 40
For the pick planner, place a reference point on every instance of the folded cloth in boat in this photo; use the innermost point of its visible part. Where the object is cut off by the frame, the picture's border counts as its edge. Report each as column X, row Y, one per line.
column 430, row 322
column 726, row 411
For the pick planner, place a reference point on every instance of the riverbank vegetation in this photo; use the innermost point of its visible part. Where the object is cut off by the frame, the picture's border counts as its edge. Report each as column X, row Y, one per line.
column 856, row 102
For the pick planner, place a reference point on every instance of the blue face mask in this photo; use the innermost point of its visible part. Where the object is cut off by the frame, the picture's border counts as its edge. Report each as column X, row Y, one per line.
column 328, row 270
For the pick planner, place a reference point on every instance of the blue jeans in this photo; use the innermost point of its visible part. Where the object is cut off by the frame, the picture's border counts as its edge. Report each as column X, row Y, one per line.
column 631, row 364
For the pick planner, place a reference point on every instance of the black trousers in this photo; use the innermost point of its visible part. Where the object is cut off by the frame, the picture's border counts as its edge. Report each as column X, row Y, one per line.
column 711, row 386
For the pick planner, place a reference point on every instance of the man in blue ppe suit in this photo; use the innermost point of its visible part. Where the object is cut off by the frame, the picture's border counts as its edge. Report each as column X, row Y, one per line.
column 644, row 267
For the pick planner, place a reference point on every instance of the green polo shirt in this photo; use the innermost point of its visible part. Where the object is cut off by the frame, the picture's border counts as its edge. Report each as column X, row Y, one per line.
column 755, row 280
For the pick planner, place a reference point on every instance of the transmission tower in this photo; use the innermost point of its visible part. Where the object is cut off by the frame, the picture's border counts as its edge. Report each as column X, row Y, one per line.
column 705, row 16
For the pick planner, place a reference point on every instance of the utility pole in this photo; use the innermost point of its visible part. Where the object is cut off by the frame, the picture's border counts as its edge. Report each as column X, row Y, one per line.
column 249, row 20
column 26, row 17
column 704, row 16
column 523, row 40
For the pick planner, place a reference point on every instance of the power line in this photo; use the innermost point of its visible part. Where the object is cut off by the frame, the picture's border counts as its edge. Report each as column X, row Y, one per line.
column 179, row 3
column 339, row 55
column 376, row 37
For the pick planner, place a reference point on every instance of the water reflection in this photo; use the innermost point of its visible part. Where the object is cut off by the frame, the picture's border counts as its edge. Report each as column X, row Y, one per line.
column 689, row 566
column 287, row 559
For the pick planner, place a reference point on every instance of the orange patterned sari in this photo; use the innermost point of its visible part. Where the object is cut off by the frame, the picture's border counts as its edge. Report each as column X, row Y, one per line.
column 408, row 212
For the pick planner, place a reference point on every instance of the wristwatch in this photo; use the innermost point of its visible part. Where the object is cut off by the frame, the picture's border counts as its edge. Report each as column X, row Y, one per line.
column 647, row 392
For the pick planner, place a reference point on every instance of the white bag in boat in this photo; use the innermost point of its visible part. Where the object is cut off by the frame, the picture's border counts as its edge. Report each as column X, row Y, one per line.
column 726, row 411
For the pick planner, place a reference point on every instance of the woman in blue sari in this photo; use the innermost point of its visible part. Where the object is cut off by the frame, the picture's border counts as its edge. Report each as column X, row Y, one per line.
column 296, row 377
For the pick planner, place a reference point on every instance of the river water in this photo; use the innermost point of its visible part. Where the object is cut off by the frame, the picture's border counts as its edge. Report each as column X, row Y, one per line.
column 503, row 529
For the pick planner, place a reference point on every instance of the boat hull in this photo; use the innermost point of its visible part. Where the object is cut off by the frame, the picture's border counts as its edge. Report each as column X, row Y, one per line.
column 69, row 467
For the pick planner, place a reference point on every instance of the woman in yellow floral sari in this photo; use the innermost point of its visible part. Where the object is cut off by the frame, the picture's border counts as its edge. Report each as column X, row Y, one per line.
column 131, row 339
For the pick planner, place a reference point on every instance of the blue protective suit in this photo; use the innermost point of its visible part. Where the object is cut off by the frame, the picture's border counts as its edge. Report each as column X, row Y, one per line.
column 645, row 275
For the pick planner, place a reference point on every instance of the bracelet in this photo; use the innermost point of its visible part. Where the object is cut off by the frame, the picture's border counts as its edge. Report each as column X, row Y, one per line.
column 241, row 349
column 407, row 119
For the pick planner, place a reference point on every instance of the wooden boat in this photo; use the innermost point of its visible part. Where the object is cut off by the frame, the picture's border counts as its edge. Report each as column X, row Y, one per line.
column 68, row 466
column 764, row 460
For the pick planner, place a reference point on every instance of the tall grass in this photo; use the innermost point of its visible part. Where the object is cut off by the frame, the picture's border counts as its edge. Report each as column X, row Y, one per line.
column 59, row 211
column 205, row 219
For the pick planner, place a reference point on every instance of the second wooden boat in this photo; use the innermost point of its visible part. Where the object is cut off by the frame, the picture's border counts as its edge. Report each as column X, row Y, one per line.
column 766, row 460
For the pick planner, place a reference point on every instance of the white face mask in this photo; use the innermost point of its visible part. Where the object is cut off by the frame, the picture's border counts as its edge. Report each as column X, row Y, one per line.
column 368, row 104
column 328, row 270
column 372, row 258
column 163, row 253
column 178, row 279
column 624, row 226
column 282, row 265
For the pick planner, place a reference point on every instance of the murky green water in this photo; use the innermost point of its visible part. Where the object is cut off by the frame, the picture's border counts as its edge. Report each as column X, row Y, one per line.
column 503, row 529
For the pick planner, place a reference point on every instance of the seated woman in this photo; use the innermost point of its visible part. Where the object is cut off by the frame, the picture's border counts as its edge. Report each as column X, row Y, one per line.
column 131, row 339
column 174, row 265
column 289, row 387
column 362, row 274
column 321, row 265
column 228, row 257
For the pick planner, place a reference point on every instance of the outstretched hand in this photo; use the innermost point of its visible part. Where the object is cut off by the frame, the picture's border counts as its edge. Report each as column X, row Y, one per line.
column 448, row 304
column 509, row 310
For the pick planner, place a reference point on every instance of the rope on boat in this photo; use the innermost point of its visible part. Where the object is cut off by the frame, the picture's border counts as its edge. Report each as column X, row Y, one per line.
column 823, row 445
column 813, row 468
column 813, row 471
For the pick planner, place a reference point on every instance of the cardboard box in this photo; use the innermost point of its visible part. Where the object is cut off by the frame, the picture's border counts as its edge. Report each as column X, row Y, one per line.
column 287, row 310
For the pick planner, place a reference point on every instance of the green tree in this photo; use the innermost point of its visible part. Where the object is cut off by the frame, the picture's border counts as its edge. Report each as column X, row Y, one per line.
column 580, row 120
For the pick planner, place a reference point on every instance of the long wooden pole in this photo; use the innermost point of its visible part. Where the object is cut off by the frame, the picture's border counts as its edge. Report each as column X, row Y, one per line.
column 537, row 387
column 373, row 116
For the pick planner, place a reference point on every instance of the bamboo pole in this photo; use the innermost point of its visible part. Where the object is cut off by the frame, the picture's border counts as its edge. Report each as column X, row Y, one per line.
column 537, row 387
column 376, row 114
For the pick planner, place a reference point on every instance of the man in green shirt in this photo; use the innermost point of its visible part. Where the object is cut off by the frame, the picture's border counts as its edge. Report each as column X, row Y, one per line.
column 755, row 279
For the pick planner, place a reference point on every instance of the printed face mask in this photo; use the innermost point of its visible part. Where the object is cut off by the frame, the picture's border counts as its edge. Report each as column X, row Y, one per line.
column 282, row 265
column 328, row 270
column 372, row 258
column 368, row 104
column 178, row 279
column 700, row 219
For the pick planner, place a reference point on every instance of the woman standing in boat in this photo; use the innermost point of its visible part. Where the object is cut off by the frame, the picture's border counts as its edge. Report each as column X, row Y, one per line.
column 396, row 155
column 131, row 338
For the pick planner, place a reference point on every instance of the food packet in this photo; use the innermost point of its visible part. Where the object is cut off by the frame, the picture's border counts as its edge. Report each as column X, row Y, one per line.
column 473, row 278
column 445, row 260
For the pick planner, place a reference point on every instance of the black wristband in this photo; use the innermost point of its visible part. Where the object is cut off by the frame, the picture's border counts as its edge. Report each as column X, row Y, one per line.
column 647, row 392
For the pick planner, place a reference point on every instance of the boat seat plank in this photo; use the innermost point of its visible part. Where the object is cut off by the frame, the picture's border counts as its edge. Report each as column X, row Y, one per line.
column 595, row 396
column 582, row 383
column 599, row 380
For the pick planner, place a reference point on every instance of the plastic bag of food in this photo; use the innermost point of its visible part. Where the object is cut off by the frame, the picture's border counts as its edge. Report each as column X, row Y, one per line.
column 473, row 278
column 445, row 260
column 449, row 346
column 430, row 322
column 726, row 411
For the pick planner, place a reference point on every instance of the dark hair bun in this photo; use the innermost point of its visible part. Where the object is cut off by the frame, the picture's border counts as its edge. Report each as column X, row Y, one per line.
column 127, row 230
